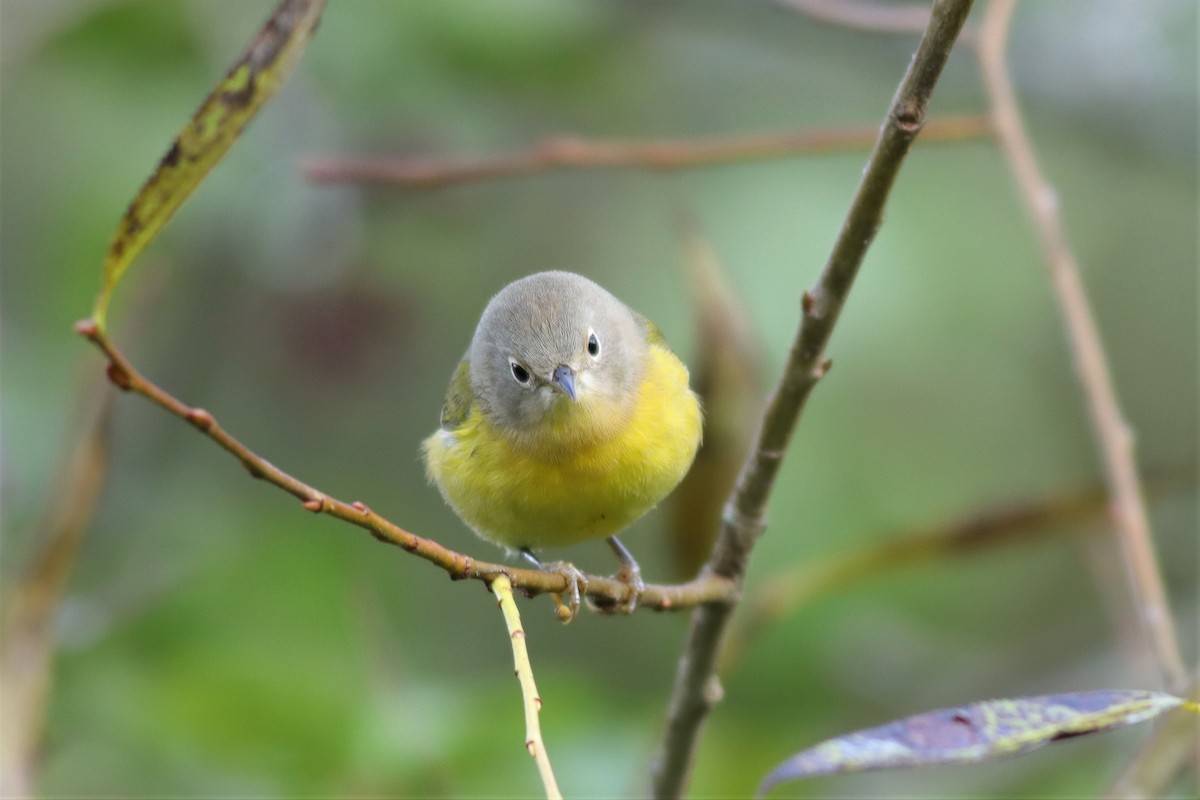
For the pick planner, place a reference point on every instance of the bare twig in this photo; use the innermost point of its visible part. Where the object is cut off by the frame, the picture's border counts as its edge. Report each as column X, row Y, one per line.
column 696, row 690
column 576, row 153
column 502, row 587
column 785, row 592
column 1109, row 427
column 865, row 15
column 704, row 589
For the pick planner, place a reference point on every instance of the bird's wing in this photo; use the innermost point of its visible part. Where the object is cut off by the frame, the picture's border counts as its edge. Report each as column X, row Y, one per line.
column 457, row 406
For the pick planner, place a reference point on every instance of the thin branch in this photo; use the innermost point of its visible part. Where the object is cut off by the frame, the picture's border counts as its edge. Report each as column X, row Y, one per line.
column 873, row 16
column 567, row 152
column 704, row 589
column 502, row 587
column 696, row 690
column 784, row 593
column 1109, row 427
column 865, row 16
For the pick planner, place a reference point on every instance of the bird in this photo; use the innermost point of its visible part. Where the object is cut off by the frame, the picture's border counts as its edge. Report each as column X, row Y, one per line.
column 567, row 419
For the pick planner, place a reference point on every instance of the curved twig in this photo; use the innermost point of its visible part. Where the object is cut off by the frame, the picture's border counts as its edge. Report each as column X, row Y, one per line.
column 704, row 589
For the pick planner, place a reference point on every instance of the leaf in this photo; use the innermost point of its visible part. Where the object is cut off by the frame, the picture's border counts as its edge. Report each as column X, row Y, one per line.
column 727, row 373
column 209, row 134
column 973, row 733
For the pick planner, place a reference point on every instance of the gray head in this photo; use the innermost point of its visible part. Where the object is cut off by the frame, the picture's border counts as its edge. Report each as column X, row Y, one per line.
column 551, row 342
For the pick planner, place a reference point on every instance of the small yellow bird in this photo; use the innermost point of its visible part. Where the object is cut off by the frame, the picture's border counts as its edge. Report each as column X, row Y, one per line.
column 567, row 419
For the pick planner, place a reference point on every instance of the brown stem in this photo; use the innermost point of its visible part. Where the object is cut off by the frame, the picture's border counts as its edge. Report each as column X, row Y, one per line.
column 1109, row 427
column 696, row 689
column 568, row 152
column 785, row 592
column 865, row 16
column 704, row 589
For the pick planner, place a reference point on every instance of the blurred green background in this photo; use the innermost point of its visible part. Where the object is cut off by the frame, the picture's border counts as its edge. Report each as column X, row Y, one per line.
column 218, row 641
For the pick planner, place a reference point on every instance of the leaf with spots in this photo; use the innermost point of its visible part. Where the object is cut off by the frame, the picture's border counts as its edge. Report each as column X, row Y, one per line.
column 974, row 733
column 209, row 134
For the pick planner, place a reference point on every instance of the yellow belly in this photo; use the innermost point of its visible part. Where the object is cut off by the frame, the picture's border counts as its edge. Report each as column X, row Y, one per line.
column 518, row 496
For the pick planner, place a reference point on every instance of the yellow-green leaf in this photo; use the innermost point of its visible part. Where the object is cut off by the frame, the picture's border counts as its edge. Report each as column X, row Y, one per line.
column 973, row 733
column 209, row 134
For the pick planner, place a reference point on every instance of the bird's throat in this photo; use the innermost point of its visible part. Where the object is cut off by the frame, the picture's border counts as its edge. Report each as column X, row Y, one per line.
column 571, row 426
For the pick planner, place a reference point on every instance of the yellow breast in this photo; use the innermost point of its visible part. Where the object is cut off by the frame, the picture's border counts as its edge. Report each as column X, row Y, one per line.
column 557, row 487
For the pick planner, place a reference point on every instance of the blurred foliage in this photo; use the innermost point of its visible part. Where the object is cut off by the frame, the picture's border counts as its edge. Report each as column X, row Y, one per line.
column 218, row 641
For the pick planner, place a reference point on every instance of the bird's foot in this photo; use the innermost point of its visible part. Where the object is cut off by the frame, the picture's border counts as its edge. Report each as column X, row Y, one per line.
column 565, row 609
column 629, row 574
column 566, row 605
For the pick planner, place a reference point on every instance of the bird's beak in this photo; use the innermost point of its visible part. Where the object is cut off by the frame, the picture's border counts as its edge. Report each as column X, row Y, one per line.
column 564, row 380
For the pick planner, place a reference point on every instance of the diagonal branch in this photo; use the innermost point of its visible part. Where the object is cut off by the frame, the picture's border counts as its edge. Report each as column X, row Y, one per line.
column 696, row 689
column 785, row 592
column 704, row 589
column 1109, row 427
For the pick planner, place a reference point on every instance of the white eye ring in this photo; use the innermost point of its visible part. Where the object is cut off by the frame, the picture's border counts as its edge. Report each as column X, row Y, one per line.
column 519, row 373
column 593, row 345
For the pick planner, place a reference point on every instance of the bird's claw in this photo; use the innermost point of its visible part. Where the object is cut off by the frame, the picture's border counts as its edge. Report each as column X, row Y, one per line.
column 629, row 574
column 566, row 609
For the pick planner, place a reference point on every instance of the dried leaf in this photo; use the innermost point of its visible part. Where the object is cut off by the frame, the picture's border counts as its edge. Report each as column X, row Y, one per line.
column 209, row 134
column 973, row 733
column 727, row 373
column 33, row 600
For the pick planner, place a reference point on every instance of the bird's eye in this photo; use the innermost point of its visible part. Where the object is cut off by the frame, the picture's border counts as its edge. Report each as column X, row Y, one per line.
column 519, row 373
column 593, row 345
